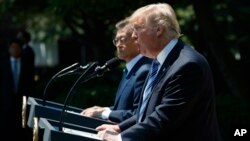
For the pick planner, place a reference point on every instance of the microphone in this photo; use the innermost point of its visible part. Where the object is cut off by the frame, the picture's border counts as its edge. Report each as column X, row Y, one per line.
column 78, row 69
column 91, row 72
column 110, row 64
column 69, row 67
column 55, row 76
column 71, row 92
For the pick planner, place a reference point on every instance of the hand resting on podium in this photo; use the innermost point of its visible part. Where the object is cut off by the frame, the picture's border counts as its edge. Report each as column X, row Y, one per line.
column 109, row 132
column 95, row 111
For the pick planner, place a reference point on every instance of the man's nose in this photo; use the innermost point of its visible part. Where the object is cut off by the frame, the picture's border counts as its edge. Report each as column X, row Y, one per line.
column 134, row 35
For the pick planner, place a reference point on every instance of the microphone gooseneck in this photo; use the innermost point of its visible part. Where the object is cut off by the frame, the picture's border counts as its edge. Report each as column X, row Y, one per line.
column 70, row 93
column 75, row 71
column 91, row 72
column 55, row 76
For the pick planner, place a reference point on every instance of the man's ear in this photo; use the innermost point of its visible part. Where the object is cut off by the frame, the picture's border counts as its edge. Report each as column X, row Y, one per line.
column 159, row 30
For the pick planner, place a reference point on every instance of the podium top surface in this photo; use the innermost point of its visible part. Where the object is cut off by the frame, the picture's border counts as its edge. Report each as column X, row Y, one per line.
column 51, row 128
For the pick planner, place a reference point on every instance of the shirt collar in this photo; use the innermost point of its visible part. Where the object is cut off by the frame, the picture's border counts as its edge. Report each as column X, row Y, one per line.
column 166, row 50
column 132, row 62
column 25, row 46
column 14, row 59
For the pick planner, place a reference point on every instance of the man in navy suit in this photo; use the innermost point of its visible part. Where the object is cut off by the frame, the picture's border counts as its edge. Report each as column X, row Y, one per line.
column 15, row 82
column 180, row 104
column 129, row 90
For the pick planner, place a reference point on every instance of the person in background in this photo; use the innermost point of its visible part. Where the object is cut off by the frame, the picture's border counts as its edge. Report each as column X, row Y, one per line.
column 134, row 75
column 178, row 100
column 15, row 82
column 28, row 52
column 28, row 56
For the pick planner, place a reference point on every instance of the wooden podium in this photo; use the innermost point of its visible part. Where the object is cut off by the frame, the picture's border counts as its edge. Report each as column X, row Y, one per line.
column 53, row 110
column 48, row 130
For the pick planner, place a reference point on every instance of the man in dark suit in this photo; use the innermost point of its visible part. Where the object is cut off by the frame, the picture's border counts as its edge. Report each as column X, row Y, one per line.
column 28, row 56
column 178, row 104
column 15, row 82
column 27, row 53
column 129, row 90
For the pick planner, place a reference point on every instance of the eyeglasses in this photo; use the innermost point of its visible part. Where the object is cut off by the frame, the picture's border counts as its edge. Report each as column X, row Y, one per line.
column 122, row 40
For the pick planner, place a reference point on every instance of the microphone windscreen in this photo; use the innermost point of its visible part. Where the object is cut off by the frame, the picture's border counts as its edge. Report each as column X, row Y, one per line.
column 112, row 63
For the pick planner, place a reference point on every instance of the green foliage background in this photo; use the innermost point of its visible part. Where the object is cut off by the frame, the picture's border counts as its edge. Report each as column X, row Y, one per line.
column 217, row 29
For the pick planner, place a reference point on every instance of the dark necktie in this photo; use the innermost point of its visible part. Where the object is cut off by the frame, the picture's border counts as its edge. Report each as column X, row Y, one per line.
column 15, row 75
column 148, row 89
column 125, row 72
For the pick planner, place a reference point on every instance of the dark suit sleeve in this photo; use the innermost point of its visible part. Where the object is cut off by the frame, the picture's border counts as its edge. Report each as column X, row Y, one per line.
column 128, row 123
column 121, row 115
column 175, row 98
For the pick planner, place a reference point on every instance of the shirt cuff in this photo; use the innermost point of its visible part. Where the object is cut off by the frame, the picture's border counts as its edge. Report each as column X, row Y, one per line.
column 106, row 113
column 119, row 137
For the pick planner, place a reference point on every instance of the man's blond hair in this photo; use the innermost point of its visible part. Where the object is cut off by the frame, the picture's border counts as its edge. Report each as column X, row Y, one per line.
column 160, row 14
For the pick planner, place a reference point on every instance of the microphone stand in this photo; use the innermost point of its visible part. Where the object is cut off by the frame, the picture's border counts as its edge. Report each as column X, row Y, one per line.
column 54, row 78
column 70, row 93
column 97, row 72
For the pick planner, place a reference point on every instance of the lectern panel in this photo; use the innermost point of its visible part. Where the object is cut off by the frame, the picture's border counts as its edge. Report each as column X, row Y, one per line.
column 70, row 132
column 53, row 111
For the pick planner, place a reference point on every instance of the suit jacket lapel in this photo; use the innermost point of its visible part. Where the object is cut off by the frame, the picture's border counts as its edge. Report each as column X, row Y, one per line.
column 126, row 80
column 121, row 87
column 173, row 55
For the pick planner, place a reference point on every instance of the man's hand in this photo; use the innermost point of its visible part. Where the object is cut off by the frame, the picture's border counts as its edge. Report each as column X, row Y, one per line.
column 114, row 128
column 107, row 135
column 94, row 111
column 109, row 132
